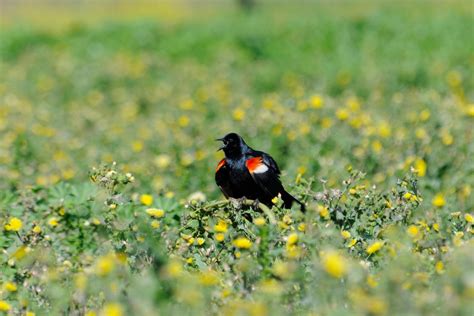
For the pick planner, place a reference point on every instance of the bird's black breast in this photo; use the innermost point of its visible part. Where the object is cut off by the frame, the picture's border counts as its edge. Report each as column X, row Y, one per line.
column 235, row 181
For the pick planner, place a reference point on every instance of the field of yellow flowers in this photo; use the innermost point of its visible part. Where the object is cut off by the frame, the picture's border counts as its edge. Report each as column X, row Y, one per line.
column 108, row 204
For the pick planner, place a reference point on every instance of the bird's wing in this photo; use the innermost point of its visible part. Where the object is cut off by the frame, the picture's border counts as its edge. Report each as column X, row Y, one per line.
column 265, row 173
column 222, row 178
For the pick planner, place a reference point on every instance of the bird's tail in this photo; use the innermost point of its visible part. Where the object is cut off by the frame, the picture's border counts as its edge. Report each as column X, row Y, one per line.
column 288, row 200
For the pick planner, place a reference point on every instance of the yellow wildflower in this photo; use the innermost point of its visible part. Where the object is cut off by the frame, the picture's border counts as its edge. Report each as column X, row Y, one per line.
column 221, row 226
column 326, row 122
column 413, row 231
column 446, row 138
column 345, row 234
column 334, row 264
column 146, row 199
column 420, row 167
column 200, row 241
column 242, row 243
column 292, row 239
column 342, row 114
column 183, row 121
column 302, row 227
column 137, row 146
column 238, row 114
column 323, row 211
column 316, row 101
column 469, row 218
column 155, row 224
column 209, row 278
column 162, row 161
column 281, row 269
column 14, row 224
column 470, row 110
column 80, row 281
column 53, row 222
column 112, row 309
column 436, row 227
column 371, row 281
column 155, row 212
column 374, row 247
column 105, row 265
column 10, row 287
column 259, row 221
column 425, row 115
column 220, row 237
column 173, row 269
column 410, row 196
column 438, row 200
column 4, row 306
column 439, row 267
column 36, row 229
column 352, row 243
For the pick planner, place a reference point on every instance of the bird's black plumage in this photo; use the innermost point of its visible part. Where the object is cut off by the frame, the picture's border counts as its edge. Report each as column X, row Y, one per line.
column 249, row 173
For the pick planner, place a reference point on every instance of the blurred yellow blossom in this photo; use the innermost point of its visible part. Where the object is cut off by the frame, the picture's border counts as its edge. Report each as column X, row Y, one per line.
column 162, row 161
column 220, row 237
column 425, row 115
column 155, row 212
column 345, row 234
column 146, row 199
column 352, row 243
column 112, row 309
column 173, row 269
column 413, row 231
column 342, row 114
column 53, row 222
column 259, row 221
column 334, row 264
column 238, row 114
column 221, row 226
column 4, row 306
column 420, row 167
column 281, row 269
column 242, row 243
column 14, row 224
column 105, row 265
column 302, row 227
column 316, row 101
column 291, row 239
column 10, row 287
column 323, row 211
column 183, row 121
column 374, row 247
column 439, row 267
column 469, row 218
column 438, row 200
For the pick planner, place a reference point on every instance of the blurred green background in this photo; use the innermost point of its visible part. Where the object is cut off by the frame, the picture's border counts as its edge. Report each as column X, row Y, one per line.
column 85, row 82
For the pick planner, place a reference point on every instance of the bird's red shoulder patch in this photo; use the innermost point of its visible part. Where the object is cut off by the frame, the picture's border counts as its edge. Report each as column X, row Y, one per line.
column 256, row 165
column 220, row 164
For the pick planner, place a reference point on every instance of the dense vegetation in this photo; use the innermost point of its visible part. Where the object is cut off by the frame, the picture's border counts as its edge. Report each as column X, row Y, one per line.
column 107, row 200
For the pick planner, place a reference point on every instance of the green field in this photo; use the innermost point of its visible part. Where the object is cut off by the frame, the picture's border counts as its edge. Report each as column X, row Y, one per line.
column 108, row 204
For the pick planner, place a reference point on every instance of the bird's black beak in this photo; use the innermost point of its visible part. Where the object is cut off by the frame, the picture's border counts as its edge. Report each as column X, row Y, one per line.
column 220, row 140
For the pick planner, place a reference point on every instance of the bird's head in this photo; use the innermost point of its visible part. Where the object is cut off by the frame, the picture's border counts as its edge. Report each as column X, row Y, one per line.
column 233, row 145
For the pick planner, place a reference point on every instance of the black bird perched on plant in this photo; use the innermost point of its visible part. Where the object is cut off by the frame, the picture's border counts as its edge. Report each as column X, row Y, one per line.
column 251, row 174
